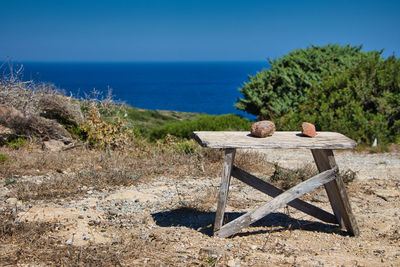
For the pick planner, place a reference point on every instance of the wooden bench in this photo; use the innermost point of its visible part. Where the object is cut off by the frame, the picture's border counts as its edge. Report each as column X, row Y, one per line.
column 321, row 147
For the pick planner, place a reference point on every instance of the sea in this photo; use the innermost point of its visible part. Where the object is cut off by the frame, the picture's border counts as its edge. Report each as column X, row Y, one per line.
column 204, row 87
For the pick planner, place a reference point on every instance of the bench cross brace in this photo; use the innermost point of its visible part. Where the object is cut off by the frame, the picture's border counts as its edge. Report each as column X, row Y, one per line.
column 329, row 177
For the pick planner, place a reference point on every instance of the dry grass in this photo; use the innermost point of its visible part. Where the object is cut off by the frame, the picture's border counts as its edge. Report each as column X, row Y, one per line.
column 50, row 175
column 43, row 175
column 34, row 243
column 46, row 175
column 254, row 162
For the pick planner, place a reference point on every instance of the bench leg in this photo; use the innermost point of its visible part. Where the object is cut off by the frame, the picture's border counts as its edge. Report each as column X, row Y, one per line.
column 224, row 188
column 336, row 191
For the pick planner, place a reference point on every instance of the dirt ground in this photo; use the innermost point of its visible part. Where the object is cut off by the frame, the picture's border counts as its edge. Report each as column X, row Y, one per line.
column 165, row 217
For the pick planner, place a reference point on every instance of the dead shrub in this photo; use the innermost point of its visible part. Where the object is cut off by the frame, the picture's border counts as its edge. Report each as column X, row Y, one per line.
column 22, row 103
column 60, row 108
column 107, row 108
column 23, row 95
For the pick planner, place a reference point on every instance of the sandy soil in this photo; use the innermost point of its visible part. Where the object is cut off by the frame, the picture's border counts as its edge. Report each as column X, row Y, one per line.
column 176, row 214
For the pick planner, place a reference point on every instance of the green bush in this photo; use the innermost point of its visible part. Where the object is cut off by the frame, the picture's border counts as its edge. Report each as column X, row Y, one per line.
column 363, row 102
column 282, row 88
column 184, row 129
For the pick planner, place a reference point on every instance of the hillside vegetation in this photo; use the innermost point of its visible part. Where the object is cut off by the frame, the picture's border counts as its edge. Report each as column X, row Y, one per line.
column 338, row 88
column 32, row 112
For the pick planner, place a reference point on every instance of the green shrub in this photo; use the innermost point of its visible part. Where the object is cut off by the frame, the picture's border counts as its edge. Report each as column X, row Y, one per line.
column 3, row 158
column 282, row 88
column 79, row 132
column 186, row 146
column 363, row 102
column 184, row 129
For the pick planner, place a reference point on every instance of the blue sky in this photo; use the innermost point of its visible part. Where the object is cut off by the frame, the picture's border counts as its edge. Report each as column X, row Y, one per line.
column 151, row 30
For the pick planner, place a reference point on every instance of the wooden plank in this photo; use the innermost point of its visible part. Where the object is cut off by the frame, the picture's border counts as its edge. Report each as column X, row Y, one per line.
column 336, row 191
column 324, row 163
column 273, row 191
column 276, row 203
column 224, row 188
column 287, row 140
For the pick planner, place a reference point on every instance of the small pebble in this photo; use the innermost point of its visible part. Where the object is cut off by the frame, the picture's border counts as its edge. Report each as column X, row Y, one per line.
column 12, row 201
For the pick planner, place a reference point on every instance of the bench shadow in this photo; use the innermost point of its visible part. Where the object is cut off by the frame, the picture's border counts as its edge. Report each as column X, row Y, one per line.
column 203, row 222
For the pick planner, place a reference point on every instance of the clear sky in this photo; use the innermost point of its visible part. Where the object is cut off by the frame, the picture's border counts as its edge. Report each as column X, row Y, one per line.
column 187, row 30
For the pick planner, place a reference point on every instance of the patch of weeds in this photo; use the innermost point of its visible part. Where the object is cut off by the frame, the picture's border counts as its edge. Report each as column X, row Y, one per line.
column 380, row 148
column 254, row 163
column 211, row 261
column 10, row 181
column 18, row 142
column 348, row 176
column 3, row 158
column 212, row 155
column 172, row 144
column 287, row 178
column 186, row 146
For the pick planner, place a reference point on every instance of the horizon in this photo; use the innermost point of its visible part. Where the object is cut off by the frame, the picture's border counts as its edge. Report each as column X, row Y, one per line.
column 149, row 61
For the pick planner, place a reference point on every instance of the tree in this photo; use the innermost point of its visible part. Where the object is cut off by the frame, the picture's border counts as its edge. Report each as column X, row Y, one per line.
column 274, row 92
column 363, row 102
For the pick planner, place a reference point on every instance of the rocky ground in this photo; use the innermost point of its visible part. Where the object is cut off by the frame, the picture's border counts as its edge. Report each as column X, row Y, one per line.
column 167, row 219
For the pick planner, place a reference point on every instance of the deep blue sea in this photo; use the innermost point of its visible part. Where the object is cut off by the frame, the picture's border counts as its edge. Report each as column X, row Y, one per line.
column 206, row 87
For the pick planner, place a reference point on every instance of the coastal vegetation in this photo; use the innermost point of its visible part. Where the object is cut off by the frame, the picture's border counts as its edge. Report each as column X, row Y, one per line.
column 338, row 88
column 184, row 129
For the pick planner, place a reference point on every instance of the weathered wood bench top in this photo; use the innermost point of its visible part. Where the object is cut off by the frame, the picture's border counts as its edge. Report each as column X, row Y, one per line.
column 285, row 140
